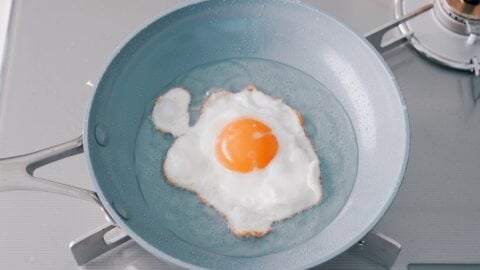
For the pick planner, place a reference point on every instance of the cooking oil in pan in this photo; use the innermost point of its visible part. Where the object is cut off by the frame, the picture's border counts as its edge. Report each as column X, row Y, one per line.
column 326, row 123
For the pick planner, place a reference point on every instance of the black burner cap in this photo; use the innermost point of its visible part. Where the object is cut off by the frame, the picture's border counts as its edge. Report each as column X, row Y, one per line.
column 472, row 2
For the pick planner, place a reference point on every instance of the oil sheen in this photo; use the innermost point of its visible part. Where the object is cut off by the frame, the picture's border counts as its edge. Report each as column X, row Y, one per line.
column 327, row 125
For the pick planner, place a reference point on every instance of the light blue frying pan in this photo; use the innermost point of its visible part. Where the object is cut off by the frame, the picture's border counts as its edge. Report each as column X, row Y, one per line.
column 353, row 111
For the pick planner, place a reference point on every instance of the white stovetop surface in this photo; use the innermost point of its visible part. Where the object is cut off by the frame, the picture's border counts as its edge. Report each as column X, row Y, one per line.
column 56, row 50
column 5, row 8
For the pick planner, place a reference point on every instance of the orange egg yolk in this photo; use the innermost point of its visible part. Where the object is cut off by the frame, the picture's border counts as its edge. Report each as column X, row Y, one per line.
column 246, row 144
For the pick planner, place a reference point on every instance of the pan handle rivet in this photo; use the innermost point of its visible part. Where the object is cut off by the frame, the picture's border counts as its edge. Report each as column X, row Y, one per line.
column 120, row 211
column 101, row 135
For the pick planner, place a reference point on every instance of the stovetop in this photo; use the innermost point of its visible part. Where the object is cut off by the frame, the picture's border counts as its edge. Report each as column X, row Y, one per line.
column 56, row 52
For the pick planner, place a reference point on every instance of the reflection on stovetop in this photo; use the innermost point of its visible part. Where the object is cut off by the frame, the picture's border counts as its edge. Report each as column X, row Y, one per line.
column 436, row 215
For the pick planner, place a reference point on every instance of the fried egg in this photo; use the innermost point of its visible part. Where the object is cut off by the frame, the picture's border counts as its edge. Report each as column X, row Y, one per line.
column 248, row 156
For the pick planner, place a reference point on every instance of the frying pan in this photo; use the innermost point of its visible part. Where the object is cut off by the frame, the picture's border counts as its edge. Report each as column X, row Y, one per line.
column 353, row 110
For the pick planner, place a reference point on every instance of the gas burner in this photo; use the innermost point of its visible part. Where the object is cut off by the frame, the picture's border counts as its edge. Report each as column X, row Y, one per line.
column 464, row 9
column 448, row 34
column 460, row 17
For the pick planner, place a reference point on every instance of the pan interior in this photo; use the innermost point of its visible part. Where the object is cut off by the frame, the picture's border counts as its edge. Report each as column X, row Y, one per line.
column 353, row 110
column 327, row 125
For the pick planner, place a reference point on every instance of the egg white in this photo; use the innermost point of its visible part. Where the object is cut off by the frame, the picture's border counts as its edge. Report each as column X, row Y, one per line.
column 251, row 201
column 170, row 113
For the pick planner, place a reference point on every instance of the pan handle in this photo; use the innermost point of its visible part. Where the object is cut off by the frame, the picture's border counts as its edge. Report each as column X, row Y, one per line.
column 16, row 173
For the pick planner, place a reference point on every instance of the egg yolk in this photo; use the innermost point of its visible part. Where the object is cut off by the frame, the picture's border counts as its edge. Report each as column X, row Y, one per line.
column 246, row 144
